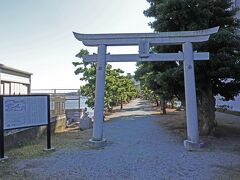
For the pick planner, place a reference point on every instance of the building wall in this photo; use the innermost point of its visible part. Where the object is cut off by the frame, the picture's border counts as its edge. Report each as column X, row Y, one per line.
column 14, row 81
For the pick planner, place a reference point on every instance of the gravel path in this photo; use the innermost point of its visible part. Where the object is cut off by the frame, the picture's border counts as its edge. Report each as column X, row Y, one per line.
column 138, row 148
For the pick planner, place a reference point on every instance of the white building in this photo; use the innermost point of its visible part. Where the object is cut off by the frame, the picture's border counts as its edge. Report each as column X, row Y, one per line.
column 14, row 81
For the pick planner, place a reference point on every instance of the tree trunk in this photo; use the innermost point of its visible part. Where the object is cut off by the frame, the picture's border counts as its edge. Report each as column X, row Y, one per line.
column 121, row 103
column 163, row 106
column 156, row 100
column 109, row 108
column 172, row 102
column 206, row 111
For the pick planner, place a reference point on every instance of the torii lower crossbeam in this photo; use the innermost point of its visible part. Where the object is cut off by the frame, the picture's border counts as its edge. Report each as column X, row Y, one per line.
column 151, row 57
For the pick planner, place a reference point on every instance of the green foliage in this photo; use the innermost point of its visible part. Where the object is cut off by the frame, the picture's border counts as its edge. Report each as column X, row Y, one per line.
column 118, row 88
column 223, row 69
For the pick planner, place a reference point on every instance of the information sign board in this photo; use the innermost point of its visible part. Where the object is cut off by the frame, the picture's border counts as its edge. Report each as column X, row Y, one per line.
column 24, row 111
column 19, row 111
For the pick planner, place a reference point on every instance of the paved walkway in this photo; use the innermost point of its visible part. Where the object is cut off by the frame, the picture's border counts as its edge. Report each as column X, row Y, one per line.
column 138, row 149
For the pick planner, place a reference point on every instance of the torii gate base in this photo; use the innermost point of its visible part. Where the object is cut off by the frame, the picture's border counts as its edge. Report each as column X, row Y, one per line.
column 144, row 41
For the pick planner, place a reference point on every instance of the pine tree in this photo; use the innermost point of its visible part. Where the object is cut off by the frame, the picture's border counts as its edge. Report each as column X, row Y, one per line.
column 118, row 87
column 220, row 75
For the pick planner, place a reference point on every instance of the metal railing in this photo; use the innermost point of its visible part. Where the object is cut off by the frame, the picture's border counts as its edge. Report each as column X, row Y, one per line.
column 61, row 99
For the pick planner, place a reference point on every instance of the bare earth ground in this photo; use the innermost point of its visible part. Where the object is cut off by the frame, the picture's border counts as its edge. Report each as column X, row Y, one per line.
column 142, row 144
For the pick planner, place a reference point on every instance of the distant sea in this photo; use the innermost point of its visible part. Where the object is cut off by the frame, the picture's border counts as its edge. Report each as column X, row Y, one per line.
column 233, row 105
column 73, row 104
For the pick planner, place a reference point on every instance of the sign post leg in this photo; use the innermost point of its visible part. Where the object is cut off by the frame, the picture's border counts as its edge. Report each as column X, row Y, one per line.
column 192, row 141
column 99, row 96
column 48, row 136
column 2, row 157
column 49, row 148
column 1, row 143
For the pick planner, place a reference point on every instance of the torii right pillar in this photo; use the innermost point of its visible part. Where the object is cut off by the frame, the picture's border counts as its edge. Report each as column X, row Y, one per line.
column 192, row 141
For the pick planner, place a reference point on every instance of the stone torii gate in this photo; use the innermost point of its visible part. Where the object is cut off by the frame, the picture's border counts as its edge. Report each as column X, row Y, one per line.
column 144, row 41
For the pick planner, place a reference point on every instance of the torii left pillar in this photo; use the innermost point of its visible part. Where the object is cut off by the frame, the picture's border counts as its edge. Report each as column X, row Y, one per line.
column 99, row 96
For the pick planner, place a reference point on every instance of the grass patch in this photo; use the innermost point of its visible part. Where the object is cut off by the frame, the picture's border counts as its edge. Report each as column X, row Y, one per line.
column 69, row 139
column 174, row 122
column 236, row 113
column 225, row 139
column 27, row 150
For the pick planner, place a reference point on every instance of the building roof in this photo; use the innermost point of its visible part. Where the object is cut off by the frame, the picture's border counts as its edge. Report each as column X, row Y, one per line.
column 13, row 71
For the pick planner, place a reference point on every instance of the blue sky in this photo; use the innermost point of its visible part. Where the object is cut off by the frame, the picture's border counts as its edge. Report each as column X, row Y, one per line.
column 36, row 36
